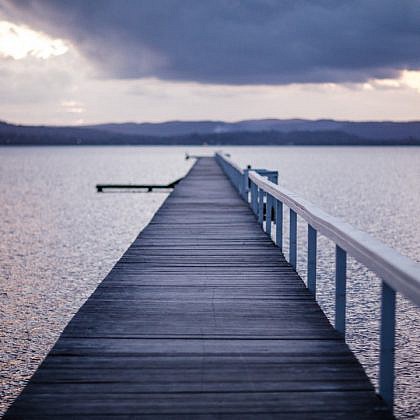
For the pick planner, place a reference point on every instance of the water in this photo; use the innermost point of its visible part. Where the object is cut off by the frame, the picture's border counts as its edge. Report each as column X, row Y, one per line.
column 60, row 238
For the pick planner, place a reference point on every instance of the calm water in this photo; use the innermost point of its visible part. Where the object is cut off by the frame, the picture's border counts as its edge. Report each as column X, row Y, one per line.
column 60, row 238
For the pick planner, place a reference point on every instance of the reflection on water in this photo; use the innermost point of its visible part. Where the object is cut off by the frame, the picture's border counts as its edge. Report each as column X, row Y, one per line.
column 60, row 238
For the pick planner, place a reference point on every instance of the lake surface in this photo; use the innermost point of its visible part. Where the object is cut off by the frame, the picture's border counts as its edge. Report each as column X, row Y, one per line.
column 59, row 237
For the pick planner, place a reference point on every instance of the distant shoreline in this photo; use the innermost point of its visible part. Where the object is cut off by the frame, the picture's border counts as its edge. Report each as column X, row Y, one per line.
column 389, row 145
column 246, row 133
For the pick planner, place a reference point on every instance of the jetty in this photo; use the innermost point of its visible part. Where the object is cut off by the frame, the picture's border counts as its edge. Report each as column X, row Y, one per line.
column 204, row 317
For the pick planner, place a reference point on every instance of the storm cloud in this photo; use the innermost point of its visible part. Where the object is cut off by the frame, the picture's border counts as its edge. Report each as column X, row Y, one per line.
column 235, row 41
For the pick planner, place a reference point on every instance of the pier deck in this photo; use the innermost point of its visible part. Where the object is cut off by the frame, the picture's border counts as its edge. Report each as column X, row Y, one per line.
column 202, row 317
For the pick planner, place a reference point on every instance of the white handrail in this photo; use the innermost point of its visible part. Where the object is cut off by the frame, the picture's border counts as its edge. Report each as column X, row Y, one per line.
column 399, row 272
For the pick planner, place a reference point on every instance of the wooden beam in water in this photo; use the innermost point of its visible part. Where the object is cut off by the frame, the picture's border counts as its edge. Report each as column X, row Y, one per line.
column 147, row 187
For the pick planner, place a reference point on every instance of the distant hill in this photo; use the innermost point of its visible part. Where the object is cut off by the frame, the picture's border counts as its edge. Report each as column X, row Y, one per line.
column 252, row 132
column 370, row 130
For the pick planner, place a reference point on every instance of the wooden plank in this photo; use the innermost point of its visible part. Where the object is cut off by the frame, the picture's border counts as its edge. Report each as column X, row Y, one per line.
column 202, row 317
column 363, row 414
column 201, row 402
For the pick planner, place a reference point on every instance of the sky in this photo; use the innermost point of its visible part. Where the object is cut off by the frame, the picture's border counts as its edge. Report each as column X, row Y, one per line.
column 87, row 61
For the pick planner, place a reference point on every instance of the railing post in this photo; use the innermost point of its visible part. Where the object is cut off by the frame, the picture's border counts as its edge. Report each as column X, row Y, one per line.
column 279, row 224
column 238, row 183
column 274, row 177
column 293, row 238
column 254, row 197
column 251, row 196
column 269, row 207
column 245, row 185
column 340, row 290
column 387, row 352
column 261, row 206
column 312, row 243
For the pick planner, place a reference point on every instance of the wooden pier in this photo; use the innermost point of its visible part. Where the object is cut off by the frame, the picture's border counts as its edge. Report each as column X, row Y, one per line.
column 201, row 318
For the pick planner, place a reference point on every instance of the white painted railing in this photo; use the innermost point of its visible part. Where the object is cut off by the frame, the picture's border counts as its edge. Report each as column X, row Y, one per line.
column 398, row 273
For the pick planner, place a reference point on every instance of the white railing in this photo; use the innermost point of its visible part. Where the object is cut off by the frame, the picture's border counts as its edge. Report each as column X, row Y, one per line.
column 398, row 273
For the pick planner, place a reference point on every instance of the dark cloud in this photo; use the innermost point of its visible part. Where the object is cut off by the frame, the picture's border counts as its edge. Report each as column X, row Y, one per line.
column 235, row 41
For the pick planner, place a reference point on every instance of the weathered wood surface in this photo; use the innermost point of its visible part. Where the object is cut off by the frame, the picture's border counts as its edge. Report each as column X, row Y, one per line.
column 202, row 317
